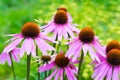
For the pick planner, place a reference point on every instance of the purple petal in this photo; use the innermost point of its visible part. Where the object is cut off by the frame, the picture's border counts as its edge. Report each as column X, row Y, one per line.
column 49, row 29
column 22, row 49
column 40, row 45
column 58, row 74
column 55, row 34
column 15, row 53
column 70, row 32
column 47, row 38
column 47, row 67
column 85, row 49
column 72, row 48
column 28, row 45
column 77, row 53
column 9, row 60
column 115, row 75
column 46, row 45
column 12, row 45
column 101, row 72
column 96, row 70
column 109, row 74
column 105, row 72
column 61, row 74
column 69, row 76
column 64, row 33
column 53, row 74
column 93, row 54
column 3, row 57
column 99, row 48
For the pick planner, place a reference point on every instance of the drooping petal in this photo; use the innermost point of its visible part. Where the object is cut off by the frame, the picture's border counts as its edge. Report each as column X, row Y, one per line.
column 40, row 45
column 64, row 33
column 73, row 28
column 104, row 73
column 3, row 57
column 97, row 69
column 115, row 75
column 14, row 38
column 109, row 74
column 33, row 51
column 99, row 48
column 101, row 72
column 47, row 38
column 70, row 32
column 47, row 67
column 72, row 74
column 28, row 45
column 72, row 48
column 57, row 75
column 85, row 49
column 12, row 45
column 61, row 74
column 46, row 45
column 9, row 60
column 55, row 35
column 68, row 74
column 93, row 54
column 77, row 53
column 15, row 53
column 53, row 74
column 22, row 49
column 49, row 28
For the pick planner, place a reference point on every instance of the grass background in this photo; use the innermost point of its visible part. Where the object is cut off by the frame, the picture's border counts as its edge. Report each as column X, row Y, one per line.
column 101, row 15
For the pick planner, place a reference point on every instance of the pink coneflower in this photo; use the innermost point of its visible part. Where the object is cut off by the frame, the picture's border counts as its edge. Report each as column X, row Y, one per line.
column 30, row 34
column 109, row 67
column 60, row 26
column 60, row 65
column 6, row 55
column 86, row 41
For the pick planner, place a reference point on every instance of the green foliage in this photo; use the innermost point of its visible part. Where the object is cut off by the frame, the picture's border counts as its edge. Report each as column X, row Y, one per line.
column 101, row 15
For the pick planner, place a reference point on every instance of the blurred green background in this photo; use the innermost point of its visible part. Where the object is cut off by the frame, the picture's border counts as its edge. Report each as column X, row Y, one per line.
column 101, row 15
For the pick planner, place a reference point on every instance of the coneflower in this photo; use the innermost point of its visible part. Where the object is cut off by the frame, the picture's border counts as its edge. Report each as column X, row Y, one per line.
column 60, row 26
column 61, row 65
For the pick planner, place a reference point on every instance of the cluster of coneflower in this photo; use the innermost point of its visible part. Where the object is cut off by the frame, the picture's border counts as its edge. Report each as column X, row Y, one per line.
column 56, row 64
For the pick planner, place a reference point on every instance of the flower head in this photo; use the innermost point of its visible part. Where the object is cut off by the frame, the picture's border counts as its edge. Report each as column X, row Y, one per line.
column 60, row 65
column 86, row 35
column 109, row 67
column 60, row 17
column 88, row 42
column 31, row 30
column 113, row 57
column 45, row 59
column 60, row 25
column 30, row 37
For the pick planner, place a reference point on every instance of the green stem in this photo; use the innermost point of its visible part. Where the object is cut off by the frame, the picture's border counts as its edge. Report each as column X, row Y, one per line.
column 54, row 45
column 58, row 47
column 45, row 74
column 12, row 67
column 80, row 64
column 37, row 61
column 28, row 66
column 68, row 41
